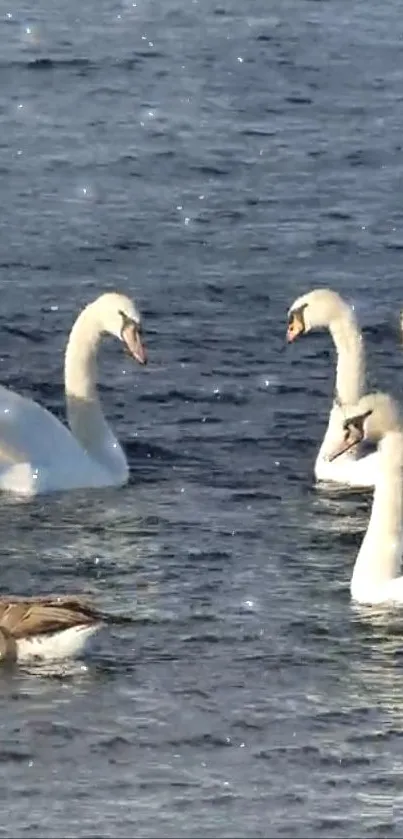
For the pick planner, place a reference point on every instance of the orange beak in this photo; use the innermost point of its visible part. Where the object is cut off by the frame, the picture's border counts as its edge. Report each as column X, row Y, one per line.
column 352, row 437
column 131, row 337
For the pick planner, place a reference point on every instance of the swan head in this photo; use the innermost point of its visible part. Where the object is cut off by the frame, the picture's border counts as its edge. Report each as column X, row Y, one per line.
column 118, row 315
column 375, row 415
column 314, row 310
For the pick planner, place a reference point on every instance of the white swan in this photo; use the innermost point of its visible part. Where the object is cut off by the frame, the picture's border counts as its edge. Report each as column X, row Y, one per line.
column 325, row 309
column 39, row 454
column 375, row 577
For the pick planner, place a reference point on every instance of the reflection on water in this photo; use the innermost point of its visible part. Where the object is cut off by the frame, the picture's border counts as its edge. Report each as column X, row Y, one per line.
column 336, row 510
column 58, row 670
column 244, row 695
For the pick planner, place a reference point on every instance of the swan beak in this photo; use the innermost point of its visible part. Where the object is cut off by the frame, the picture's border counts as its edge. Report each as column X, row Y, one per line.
column 132, row 339
column 295, row 327
column 352, row 437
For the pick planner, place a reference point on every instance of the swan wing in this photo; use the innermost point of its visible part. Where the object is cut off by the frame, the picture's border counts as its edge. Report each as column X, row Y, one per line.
column 38, row 453
column 29, row 433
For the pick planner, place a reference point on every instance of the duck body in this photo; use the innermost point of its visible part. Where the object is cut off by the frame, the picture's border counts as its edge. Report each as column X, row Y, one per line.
column 50, row 628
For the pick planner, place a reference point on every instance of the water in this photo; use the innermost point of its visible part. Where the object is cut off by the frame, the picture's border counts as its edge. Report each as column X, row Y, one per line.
column 215, row 160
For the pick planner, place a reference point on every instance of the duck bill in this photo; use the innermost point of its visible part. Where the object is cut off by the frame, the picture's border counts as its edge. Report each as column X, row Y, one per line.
column 345, row 446
column 134, row 344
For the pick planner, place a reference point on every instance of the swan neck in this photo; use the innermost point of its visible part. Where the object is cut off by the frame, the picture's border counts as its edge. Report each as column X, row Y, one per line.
column 80, row 368
column 83, row 406
column 378, row 560
column 350, row 373
column 84, row 411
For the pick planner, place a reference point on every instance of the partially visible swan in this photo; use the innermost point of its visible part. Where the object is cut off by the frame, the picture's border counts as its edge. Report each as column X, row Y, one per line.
column 39, row 454
column 325, row 309
column 50, row 628
column 375, row 577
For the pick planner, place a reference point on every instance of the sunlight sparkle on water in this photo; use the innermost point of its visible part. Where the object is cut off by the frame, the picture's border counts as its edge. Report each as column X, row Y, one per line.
column 24, row 111
column 85, row 192
column 268, row 380
column 145, row 38
column 186, row 219
column 147, row 115
column 249, row 606
column 30, row 35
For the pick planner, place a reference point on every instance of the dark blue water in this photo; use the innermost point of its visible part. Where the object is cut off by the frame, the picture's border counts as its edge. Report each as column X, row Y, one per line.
column 214, row 160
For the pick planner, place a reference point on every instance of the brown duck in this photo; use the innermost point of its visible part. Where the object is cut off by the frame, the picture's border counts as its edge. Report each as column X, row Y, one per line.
column 48, row 628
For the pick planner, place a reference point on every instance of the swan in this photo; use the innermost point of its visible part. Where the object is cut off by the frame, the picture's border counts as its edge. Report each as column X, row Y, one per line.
column 49, row 628
column 375, row 578
column 38, row 453
column 324, row 308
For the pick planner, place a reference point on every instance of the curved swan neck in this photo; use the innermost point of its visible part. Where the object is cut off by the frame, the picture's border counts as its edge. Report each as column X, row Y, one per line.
column 84, row 412
column 350, row 373
column 379, row 557
column 80, row 365
column 350, row 379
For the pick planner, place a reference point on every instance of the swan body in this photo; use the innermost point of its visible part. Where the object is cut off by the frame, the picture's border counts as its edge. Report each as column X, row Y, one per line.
column 46, row 628
column 38, row 453
column 375, row 578
column 325, row 309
